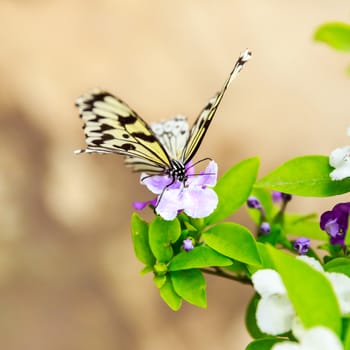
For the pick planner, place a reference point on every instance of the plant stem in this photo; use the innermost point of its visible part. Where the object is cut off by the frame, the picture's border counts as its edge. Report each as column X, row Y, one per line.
column 220, row 273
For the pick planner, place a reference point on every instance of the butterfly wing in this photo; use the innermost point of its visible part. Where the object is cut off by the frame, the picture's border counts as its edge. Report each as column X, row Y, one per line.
column 204, row 119
column 173, row 134
column 111, row 126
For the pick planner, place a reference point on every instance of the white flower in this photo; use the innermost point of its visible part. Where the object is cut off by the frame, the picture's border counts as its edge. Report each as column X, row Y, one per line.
column 340, row 160
column 341, row 286
column 274, row 313
column 316, row 338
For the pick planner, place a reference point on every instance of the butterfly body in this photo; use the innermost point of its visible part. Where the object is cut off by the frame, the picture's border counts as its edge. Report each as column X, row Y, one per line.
column 164, row 148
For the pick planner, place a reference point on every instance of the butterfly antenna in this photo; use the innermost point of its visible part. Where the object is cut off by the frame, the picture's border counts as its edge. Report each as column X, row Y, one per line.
column 200, row 161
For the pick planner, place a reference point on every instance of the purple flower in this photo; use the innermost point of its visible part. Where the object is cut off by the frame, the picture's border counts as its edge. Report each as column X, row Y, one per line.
column 276, row 196
column 302, row 245
column 253, row 203
column 335, row 223
column 265, row 228
column 142, row 205
column 194, row 196
column 286, row 197
column 187, row 244
column 280, row 196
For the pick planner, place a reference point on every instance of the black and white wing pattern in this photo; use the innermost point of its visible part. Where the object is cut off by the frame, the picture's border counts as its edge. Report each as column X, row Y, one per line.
column 111, row 126
column 204, row 119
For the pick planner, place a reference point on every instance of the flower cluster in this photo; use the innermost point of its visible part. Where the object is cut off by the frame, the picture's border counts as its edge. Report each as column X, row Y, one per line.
column 194, row 197
column 275, row 313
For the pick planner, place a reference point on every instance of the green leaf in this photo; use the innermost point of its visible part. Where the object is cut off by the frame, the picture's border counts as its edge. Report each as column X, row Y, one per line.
column 335, row 34
column 304, row 225
column 237, row 268
column 250, row 318
column 169, row 295
column 266, row 261
column 139, row 232
column 162, row 234
column 341, row 265
column 190, row 285
column 146, row 270
column 159, row 281
column 233, row 189
column 234, row 241
column 264, row 343
column 346, row 328
column 197, row 258
column 309, row 291
column 305, row 176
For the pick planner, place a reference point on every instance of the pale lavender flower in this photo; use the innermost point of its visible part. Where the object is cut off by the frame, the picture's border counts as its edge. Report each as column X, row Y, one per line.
column 265, row 228
column 187, row 244
column 194, row 197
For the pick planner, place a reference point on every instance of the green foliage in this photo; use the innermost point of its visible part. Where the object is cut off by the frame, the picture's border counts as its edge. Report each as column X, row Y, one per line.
column 199, row 257
column 234, row 241
column 190, row 285
column 139, row 231
column 168, row 294
column 162, row 234
column 334, row 34
column 346, row 328
column 233, row 189
column 263, row 344
column 227, row 247
column 301, row 282
column 304, row 225
column 305, row 176
column 250, row 318
column 341, row 265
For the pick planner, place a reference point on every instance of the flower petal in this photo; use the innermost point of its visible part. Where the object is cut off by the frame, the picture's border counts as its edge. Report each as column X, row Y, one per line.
column 199, row 202
column 337, row 156
column 341, row 286
column 157, row 183
column 275, row 314
column 206, row 177
column 340, row 160
column 268, row 282
column 316, row 338
column 320, row 338
column 340, row 173
column 286, row 345
column 142, row 205
column 170, row 203
column 311, row 262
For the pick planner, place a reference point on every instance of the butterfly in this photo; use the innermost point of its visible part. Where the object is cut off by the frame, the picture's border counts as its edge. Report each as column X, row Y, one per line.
column 164, row 148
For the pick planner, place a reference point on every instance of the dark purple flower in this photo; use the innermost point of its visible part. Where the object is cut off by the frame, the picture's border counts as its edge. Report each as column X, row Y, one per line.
column 335, row 223
column 265, row 228
column 302, row 245
column 286, row 197
column 253, row 203
column 187, row 244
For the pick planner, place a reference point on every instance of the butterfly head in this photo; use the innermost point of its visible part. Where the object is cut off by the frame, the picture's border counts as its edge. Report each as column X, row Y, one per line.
column 177, row 171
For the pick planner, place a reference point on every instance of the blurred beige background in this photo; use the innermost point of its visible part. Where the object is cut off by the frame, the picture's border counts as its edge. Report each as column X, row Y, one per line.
column 68, row 276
